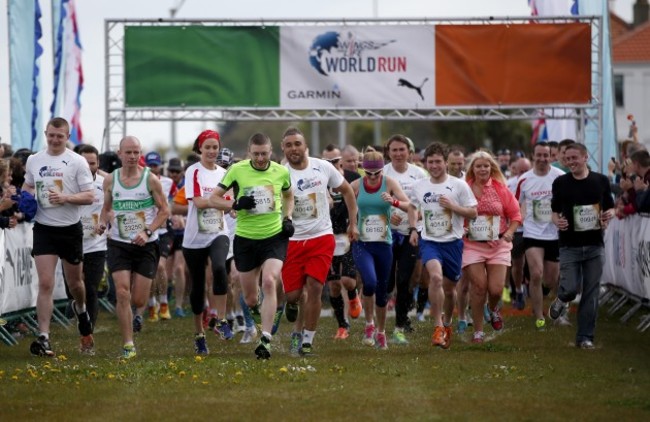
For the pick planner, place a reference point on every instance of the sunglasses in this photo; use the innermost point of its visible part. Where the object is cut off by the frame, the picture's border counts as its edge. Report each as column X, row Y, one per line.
column 334, row 161
column 373, row 173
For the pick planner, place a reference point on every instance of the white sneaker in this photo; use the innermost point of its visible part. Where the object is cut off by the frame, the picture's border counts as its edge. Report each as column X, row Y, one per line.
column 249, row 335
column 562, row 321
column 420, row 317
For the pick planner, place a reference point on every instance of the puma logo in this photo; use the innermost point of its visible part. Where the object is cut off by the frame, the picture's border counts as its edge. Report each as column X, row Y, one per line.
column 450, row 188
column 65, row 162
column 418, row 89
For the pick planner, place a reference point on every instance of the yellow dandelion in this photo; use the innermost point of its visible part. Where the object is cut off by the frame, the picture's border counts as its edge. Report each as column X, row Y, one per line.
column 111, row 376
column 205, row 383
column 198, row 359
column 181, row 374
column 195, row 377
column 62, row 358
column 14, row 377
column 283, row 369
column 238, row 374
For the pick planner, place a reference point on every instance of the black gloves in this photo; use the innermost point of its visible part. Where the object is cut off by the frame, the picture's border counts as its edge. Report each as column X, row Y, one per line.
column 287, row 227
column 244, row 203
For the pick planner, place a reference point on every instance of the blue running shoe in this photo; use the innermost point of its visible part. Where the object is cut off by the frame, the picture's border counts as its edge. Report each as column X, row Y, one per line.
column 179, row 313
column 276, row 320
column 461, row 327
column 223, row 330
column 200, row 345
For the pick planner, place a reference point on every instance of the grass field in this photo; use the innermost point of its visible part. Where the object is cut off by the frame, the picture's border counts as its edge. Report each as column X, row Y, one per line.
column 520, row 374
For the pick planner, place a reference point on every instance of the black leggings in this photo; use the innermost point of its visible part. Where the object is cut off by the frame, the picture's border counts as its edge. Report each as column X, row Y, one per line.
column 404, row 259
column 93, row 271
column 196, row 260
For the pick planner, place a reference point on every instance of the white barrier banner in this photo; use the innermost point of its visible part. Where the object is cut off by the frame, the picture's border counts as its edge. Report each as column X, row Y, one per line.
column 19, row 280
column 627, row 255
column 383, row 67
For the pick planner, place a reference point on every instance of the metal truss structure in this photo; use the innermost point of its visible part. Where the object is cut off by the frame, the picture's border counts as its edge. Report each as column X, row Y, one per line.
column 117, row 114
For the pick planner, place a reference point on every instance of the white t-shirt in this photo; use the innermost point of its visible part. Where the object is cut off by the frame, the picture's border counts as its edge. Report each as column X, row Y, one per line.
column 311, row 211
column 441, row 224
column 67, row 172
column 406, row 180
column 203, row 225
column 90, row 219
column 168, row 190
column 536, row 192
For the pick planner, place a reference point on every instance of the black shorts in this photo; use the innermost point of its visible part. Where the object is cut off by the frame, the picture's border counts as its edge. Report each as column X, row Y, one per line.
column 177, row 242
column 165, row 244
column 518, row 247
column 551, row 248
column 251, row 253
column 65, row 242
column 342, row 266
column 137, row 259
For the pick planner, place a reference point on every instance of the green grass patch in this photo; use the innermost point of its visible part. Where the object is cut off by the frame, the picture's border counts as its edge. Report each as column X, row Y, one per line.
column 520, row 374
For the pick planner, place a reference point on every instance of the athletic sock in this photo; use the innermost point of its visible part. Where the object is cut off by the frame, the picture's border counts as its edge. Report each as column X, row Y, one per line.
column 79, row 310
column 152, row 301
column 46, row 335
column 339, row 310
column 308, row 336
column 352, row 294
column 162, row 299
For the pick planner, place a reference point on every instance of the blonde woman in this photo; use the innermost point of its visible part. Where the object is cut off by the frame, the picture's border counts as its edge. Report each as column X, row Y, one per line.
column 486, row 255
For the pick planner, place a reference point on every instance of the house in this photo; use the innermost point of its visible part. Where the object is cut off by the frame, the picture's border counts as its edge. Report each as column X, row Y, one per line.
column 631, row 72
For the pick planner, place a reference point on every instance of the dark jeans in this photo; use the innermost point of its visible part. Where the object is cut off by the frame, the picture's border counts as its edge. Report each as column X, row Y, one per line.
column 582, row 266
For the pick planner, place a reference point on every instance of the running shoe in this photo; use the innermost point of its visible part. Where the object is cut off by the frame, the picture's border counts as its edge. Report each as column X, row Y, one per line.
column 461, row 327
column 478, row 337
column 408, row 328
column 200, row 345
column 276, row 319
column 420, row 316
column 306, row 350
column 342, row 333
column 128, row 352
column 263, row 349
column 398, row 337
column 586, row 345
column 255, row 314
column 540, row 324
column 137, row 323
column 164, row 313
column 520, row 301
column 249, row 335
column 296, row 344
column 179, row 312
column 447, row 343
column 291, row 310
column 153, row 314
column 87, row 345
column 562, row 321
column 355, row 308
column 439, row 337
column 557, row 309
column 213, row 322
column 496, row 320
column 41, row 347
column 84, row 324
column 223, row 330
column 381, row 341
column 369, row 335
column 486, row 314
column 240, row 324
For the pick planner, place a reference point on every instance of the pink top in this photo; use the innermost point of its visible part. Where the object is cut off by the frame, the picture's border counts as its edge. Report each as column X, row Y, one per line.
column 497, row 199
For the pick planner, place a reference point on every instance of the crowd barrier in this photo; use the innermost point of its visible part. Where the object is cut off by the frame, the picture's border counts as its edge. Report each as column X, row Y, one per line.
column 627, row 266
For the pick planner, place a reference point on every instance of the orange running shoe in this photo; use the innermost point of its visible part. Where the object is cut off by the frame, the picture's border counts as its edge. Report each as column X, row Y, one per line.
column 153, row 314
column 342, row 334
column 438, row 338
column 355, row 308
column 163, row 312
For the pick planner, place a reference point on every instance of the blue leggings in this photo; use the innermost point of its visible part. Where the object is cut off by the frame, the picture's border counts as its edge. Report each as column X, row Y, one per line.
column 374, row 261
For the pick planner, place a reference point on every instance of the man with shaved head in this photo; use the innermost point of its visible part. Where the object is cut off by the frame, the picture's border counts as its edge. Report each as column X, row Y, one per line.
column 134, row 208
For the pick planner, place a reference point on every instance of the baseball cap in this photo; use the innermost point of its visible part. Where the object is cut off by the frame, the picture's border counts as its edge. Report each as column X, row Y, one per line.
column 225, row 157
column 153, row 159
column 174, row 165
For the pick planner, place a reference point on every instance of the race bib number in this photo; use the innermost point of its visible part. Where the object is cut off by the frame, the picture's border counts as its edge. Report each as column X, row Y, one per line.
column 210, row 220
column 403, row 225
column 437, row 223
column 264, row 199
column 484, row 228
column 542, row 210
column 586, row 217
column 43, row 189
column 130, row 224
column 305, row 207
column 89, row 222
column 342, row 245
column 374, row 228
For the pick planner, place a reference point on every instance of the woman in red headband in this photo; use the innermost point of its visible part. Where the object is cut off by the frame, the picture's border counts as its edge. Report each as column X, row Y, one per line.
column 206, row 236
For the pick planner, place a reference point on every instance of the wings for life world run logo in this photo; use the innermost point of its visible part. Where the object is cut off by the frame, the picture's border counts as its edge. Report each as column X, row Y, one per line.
column 335, row 52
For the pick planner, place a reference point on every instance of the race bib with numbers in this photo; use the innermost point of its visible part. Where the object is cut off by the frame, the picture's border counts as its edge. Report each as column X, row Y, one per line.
column 342, row 245
column 374, row 228
column 542, row 210
column 586, row 217
column 130, row 224
column 43, row 188
column 264, row 198
column 89, row 222
column 210, row 220
column 437, row 223
column 305, row 207
column 484, row 228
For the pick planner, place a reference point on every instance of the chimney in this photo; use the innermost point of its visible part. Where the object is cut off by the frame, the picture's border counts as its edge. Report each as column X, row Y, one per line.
column 641, row 12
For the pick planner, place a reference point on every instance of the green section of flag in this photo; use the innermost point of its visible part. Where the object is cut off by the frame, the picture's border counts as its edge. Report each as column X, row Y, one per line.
column 198, row 66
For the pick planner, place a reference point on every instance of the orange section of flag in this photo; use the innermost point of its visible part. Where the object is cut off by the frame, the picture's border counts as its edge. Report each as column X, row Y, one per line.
column 513, row 64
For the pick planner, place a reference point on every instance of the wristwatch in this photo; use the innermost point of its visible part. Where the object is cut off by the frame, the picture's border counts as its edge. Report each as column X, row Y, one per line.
column 148, row 232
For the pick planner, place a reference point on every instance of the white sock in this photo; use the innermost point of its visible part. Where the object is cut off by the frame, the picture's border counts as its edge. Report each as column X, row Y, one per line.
column 267, row 335
column 46, row 335
column 370, row 323
column 79, row 310
column 152, row 301
column 162, row 299
column 308, row 336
